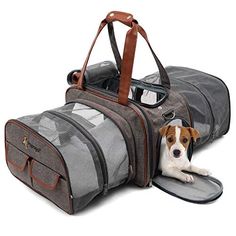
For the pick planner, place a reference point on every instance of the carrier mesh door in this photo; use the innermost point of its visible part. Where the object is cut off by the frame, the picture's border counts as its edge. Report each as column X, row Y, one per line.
column 204, row 189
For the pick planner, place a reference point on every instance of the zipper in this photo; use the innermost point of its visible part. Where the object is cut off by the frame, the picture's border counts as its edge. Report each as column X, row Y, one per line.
column 137, row 111
column 93, row 141
column 148, row 132
column 158, row 143
column 212, row 116
column 150, row 137
column 107, row 112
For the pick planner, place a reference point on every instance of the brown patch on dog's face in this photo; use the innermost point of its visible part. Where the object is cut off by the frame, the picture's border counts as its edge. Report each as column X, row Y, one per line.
column 185, row 137
column 186, row 134
column 169, row 133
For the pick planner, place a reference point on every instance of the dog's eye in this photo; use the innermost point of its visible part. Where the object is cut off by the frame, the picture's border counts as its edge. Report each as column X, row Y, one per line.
column 170, row 139
column 185, row 140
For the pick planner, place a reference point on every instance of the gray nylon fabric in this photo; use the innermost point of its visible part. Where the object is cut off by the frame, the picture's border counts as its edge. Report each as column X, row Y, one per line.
column 15, row 134
column 19, row 159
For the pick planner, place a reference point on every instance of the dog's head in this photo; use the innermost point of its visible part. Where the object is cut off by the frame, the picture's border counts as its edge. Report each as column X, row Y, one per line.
column 178, row 138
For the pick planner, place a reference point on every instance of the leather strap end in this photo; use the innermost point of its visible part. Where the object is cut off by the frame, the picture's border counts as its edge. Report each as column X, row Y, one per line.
column 123, row 100
column 123, row 17
column 76, row 80
column 80, row 86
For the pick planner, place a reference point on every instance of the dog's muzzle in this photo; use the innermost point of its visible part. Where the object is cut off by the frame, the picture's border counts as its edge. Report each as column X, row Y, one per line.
column 176, row 153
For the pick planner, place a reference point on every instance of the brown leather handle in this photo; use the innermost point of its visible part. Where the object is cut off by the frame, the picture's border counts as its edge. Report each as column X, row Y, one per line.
column 128, row 54
column 127, row 65
column 118, row 16
column 123, row 17
column 164, row 78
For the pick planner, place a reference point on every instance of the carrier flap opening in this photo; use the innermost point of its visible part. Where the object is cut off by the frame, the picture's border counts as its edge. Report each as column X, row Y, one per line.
column 205, row 189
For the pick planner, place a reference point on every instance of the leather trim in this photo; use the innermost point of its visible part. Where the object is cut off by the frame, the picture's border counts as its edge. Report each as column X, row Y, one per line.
column 40, row 182
column 123, row 17
column 17, row 167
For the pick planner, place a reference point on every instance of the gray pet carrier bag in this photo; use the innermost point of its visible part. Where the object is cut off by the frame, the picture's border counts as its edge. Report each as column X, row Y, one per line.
column 107, row 133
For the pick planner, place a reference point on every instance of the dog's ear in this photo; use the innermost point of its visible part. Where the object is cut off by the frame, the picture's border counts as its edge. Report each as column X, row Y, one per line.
column 194, row 133
column 163, row 130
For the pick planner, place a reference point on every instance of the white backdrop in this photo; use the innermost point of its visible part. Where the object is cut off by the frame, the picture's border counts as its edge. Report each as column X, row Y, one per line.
column 41, row 41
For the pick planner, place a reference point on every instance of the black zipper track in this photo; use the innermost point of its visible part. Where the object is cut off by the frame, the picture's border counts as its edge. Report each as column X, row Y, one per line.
column 111, row 118
column 208, row 103
column 150, row 137
column 94, row 143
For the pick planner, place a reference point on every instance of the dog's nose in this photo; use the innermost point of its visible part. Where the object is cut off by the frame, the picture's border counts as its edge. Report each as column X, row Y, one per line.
column 176, row 153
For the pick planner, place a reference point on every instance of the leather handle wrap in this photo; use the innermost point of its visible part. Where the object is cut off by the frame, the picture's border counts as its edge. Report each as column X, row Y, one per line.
column 123, row 17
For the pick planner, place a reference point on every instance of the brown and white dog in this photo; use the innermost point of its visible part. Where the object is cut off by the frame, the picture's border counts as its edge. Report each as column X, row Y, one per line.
column 173, row 157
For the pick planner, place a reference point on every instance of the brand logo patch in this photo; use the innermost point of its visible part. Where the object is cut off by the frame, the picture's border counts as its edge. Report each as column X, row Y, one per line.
column 28, row 145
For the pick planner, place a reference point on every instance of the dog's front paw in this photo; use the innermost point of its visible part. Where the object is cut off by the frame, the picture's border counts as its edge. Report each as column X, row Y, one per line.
column 188, row 178
column 204, row 172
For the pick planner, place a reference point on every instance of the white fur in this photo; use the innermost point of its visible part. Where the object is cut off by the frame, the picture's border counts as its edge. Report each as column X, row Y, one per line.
column 172, row 167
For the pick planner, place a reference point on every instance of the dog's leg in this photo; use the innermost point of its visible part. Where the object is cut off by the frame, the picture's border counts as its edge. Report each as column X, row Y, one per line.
column 176, row 173
column 197, row 170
